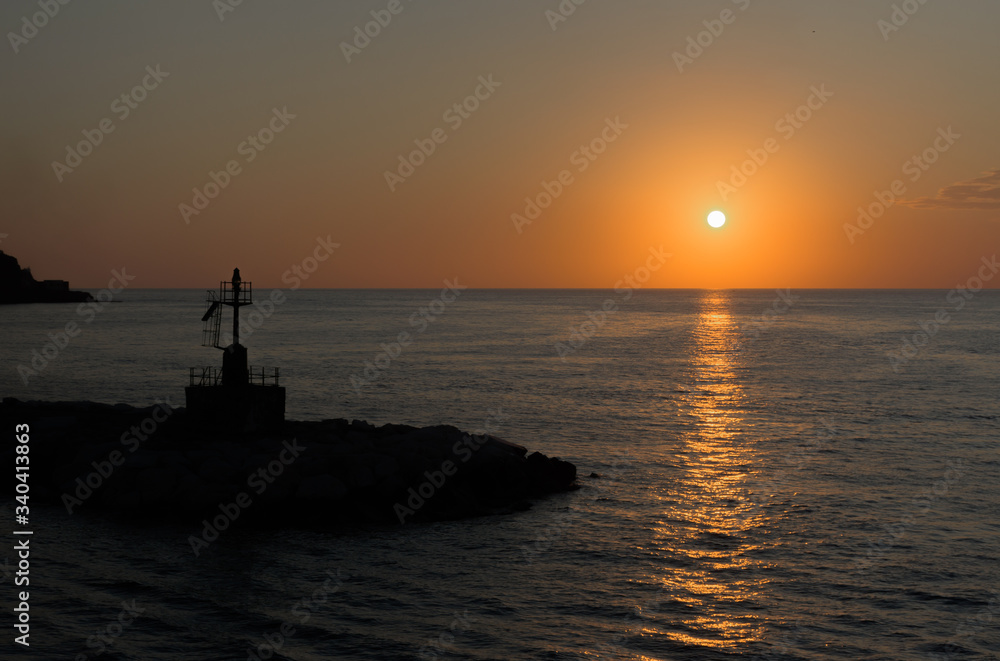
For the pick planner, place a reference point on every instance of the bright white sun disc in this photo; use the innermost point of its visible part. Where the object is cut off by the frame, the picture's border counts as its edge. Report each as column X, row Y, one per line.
column 716, row 219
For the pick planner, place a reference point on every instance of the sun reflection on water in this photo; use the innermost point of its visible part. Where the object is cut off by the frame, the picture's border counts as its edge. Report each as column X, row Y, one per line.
column 701, row 534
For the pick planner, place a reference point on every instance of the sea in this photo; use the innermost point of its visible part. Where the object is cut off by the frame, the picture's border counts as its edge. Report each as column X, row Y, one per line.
column 764, row 474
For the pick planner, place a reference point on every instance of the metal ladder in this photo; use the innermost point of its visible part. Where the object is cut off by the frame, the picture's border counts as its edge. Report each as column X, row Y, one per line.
column 213, row 322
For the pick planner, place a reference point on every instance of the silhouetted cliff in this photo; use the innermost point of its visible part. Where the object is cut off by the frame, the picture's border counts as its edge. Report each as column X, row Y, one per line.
column 18, row 286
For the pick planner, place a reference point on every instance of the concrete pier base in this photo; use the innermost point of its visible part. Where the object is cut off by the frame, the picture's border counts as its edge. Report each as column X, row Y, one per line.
column 240, row 408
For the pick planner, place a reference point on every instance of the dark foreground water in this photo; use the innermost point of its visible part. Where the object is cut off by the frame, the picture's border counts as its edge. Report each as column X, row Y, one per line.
column 774, row 484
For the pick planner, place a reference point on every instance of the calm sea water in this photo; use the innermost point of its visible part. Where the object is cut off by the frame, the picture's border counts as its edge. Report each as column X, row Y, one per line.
column 771, row 486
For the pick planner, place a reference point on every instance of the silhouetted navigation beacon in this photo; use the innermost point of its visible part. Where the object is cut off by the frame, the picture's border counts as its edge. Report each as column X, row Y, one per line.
column 238, row 397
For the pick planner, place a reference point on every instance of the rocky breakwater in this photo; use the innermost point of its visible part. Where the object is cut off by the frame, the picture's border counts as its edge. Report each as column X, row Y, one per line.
column 149, row 462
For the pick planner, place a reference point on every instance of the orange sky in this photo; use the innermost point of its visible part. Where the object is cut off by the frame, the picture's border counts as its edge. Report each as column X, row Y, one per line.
column 552, row 87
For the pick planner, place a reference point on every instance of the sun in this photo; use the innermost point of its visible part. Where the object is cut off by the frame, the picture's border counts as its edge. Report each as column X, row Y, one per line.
column 716, row 219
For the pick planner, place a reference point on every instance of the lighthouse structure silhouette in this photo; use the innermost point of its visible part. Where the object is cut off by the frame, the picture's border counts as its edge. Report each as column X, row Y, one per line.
column 237, row 398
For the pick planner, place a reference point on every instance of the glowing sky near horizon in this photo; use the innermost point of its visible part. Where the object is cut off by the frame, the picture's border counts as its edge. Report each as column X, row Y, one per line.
column 499, row 144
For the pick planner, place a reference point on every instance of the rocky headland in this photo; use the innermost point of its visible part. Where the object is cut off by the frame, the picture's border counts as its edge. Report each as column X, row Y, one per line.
column 17, row 285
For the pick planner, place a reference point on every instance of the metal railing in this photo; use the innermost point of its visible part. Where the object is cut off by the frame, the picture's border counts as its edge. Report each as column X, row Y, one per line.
column 212, row 376
column 205, row 376
column 264, row 376
column 226, row 293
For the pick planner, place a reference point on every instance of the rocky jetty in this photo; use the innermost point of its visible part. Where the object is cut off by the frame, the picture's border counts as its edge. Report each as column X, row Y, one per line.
column 17, row 285
column 149, row 462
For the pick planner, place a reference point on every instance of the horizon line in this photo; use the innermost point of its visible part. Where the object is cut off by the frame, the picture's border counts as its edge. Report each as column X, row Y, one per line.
column 563, row 288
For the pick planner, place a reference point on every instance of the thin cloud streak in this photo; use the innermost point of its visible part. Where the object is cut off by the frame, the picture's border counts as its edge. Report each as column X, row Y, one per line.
column 980, row 193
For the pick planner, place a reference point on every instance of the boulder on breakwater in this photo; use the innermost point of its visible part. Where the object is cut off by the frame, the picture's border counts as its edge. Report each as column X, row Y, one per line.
column 148, row 462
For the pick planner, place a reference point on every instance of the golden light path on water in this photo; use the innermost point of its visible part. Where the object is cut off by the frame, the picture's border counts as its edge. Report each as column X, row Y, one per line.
column 702, row 531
